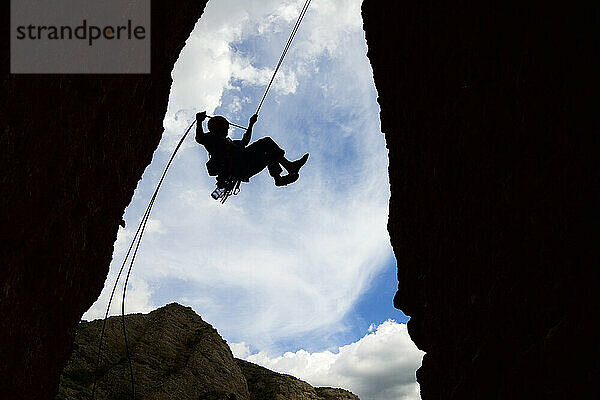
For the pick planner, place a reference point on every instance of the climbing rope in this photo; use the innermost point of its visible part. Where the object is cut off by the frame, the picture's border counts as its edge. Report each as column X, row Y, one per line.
column 285, row 50
column 137, row 239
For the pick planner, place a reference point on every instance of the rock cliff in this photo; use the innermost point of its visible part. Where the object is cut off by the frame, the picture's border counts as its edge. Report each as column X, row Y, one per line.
column 73, row 150
column 486, row 111
column 488, row 116
column 268, row 385
column 175, row 355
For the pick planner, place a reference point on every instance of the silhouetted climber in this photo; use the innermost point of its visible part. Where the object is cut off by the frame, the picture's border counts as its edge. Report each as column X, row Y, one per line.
column 240, row 161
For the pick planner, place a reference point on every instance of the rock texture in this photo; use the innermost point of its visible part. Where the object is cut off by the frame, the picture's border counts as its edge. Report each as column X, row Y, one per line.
column 268, row 385
column 494, row 174
column 489, row 120
column 175, row 355
column 73, row 150
column 327, row 393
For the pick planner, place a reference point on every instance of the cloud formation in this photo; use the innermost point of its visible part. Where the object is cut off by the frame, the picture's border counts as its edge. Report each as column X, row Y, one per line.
column 276, row 268
column 273, row 265
column 379, row 366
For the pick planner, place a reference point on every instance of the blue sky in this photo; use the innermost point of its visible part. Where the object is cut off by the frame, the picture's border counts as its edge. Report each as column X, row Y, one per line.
column 299, row 279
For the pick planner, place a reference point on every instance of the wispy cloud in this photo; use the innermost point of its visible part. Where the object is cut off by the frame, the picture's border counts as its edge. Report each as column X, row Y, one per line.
column 277, row 268
column 272, row 264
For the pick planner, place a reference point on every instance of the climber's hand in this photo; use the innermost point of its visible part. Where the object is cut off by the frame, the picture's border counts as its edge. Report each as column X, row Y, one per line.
column 253, row 119
column 201, row 116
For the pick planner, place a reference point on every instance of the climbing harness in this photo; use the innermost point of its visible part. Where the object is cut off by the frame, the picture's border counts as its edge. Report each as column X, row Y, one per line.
column 231, row 187
column 233, row 184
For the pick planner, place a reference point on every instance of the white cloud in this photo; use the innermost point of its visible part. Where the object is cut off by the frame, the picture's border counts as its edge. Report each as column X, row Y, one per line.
column 154, row 226
column 210, row 62
column 276, row 265
column 379, row 366
column 138, row 297
column 240, row 350
column 272, row 264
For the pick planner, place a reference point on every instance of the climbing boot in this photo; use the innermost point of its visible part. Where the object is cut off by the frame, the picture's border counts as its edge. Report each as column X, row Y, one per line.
column 286, row 179
column 295, row 166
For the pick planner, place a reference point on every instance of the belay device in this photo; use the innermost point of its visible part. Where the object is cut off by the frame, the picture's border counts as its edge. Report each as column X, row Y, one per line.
column 225, row 189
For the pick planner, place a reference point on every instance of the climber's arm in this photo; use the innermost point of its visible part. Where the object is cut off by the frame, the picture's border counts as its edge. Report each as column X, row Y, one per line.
column 248, row 133
column 201, row 116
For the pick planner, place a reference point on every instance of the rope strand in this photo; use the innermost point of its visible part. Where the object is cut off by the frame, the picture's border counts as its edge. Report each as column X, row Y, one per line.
column 136, row 241
column 285, row 50
column 230, row 123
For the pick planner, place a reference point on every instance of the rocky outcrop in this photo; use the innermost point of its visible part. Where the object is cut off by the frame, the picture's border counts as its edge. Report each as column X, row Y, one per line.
column 327, row 393
column 175, row 355
column 486, row 112
column 268, row 385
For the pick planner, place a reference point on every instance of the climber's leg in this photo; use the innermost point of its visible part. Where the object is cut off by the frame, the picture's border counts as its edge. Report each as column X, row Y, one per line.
column 263, row 153
column 266, row 153
column 293, row 166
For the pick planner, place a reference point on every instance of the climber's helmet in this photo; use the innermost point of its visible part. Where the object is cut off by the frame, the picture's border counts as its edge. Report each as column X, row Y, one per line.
column 218, row 125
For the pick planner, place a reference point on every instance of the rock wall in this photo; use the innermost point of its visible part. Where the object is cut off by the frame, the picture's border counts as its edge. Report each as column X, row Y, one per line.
column 73, row 150
column 175, row 355
column 486, row 109
column 488, row 116
column 264, row 384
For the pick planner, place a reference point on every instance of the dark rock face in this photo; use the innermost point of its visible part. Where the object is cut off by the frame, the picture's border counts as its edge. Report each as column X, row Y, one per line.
column 493, row 169
column 73, row 150
column 487, row 111
column 175, row 355
column 268, row 385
